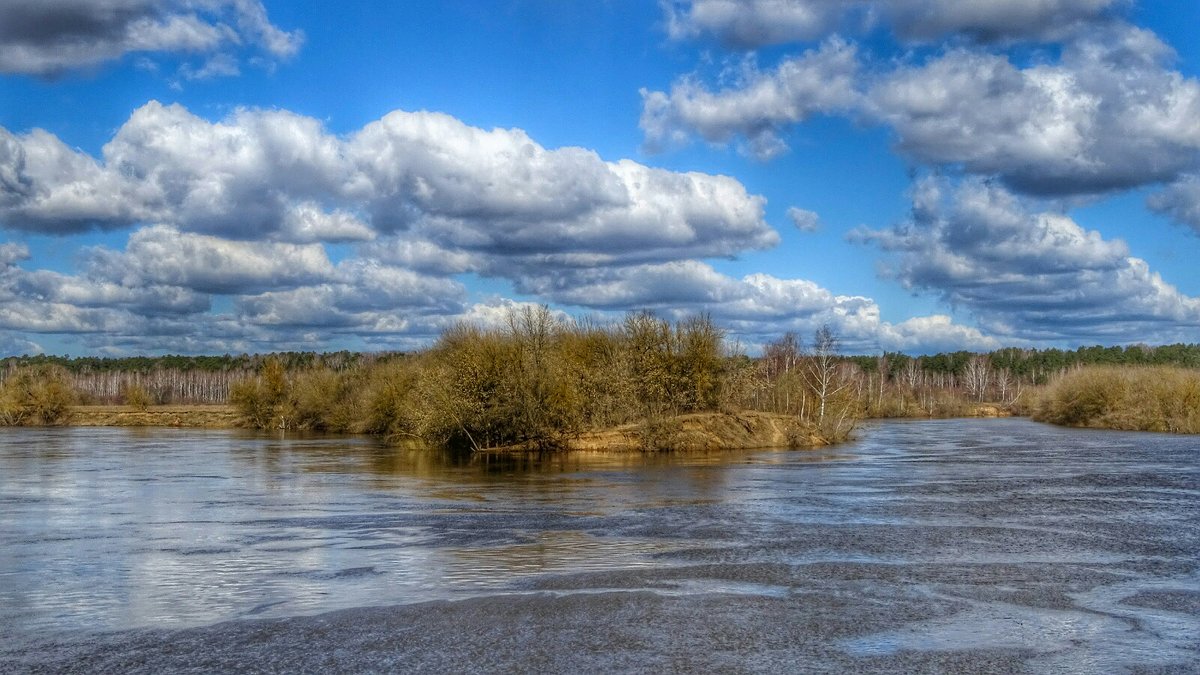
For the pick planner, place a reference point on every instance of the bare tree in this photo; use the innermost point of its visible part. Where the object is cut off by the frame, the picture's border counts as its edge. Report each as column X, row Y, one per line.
column 822, row 373
column 976, row 376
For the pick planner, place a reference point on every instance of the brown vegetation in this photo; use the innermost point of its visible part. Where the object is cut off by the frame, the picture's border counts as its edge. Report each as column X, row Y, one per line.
column 541, row 383
column 40, row 395
column 180, row 416
column 1129, row 398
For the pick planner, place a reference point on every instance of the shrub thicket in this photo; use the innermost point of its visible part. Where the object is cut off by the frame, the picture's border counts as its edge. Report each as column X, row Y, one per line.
column 1129, row 398
column 136, row 396
column 535, row 382
column 39, row 394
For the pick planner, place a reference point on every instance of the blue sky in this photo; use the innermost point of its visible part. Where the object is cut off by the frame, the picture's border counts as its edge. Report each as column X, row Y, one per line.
column 228, row 175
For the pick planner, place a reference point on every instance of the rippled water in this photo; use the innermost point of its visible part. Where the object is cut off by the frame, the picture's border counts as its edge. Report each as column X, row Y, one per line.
column 1044, row 548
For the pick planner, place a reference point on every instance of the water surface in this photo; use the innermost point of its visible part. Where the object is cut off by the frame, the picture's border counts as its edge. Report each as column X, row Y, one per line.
column 962, row 544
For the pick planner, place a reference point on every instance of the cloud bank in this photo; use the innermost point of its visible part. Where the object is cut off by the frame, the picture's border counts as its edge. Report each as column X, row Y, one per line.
column 1107, row 113
column 1026, row 274
column 748, row 24
column 50, row 37
column 232, row 224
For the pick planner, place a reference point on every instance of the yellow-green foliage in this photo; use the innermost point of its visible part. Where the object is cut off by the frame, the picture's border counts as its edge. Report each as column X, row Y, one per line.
column 391, row 402
column 135, row 395
column 323, row 399
column 260, row 399
column 317, row 399
column 534, row 382
column 1130, row 398
column 36, row 395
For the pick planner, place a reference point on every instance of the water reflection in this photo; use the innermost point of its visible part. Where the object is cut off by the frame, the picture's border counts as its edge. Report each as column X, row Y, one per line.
column 120, row 528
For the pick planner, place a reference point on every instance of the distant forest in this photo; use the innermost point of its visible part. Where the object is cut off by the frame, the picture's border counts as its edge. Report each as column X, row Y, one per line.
column 1036, row 366
column 207, row 379
column 180, row 379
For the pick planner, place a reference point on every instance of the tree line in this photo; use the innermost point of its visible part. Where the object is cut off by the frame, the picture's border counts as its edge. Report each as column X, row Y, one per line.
column 173, row 379
column 539, row 379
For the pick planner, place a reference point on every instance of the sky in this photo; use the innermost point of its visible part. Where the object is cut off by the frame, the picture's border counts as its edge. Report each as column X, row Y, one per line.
column 230, row 176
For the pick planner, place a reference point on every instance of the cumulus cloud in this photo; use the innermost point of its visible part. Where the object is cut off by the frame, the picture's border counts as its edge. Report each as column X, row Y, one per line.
column 803, row 219
column 230, row 222
column 750, row 24
column 1180, row 201
column 1107, row 114
column 758, row 105
column 164, row 256
column 49, row 37
column 1027, row 275
column 158, row 294
column 278, row 175
column 755, row 308
column 366, row 296
column 987, row 20
column 500, row 192
column 48, row 187
column 933, row 334
column 753, row 23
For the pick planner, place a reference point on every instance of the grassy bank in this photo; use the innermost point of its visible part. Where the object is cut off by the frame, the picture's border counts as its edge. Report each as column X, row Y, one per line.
column 1128, row 398
column 177, row 416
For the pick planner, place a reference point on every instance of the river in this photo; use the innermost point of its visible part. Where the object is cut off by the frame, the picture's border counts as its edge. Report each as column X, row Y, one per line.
column 954, row 545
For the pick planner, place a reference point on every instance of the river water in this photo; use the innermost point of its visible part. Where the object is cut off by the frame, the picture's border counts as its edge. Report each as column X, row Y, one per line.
column 958, row 545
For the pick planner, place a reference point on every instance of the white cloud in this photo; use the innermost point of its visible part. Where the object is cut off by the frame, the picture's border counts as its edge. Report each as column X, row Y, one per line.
column 1030, row 276
column 49, row 37
column 244, row 207
column 758, row 106
column 1107, row 116
column 988, row 20
column 756, row 23
column 164, row 256
column 47, row 187
column 423, row 256
column 364, row 296
column 803, row 219
column 753, row 23
column 755, row 308
column 500, row 192
column 278, row 175
column 1180, row 201
column 933, row 334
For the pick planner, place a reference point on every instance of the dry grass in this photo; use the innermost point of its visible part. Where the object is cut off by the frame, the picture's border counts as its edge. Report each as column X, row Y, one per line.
column 1130, row 398
column 183, row 416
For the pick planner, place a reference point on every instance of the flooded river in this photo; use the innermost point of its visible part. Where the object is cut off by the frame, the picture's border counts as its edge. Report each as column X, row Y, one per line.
column 959, row 545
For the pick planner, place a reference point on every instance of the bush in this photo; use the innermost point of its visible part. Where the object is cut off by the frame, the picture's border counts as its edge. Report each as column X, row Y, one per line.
column 259, row 400
column 322, row 399
column 1130, row 398
column 37, row 395
column 534, row 383
column 136, row 395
